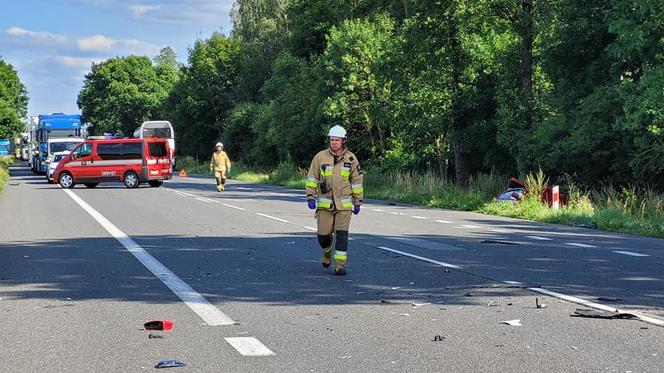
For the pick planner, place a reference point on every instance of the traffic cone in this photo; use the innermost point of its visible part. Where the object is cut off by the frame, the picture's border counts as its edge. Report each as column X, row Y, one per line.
column 183, row 172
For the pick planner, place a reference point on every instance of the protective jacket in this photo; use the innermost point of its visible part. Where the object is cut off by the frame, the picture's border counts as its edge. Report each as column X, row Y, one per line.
column 335, row 180
column 220, row 161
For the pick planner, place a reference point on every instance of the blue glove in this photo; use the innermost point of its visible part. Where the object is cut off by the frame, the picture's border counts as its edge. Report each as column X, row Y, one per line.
column 311, row 203
column 356, row 209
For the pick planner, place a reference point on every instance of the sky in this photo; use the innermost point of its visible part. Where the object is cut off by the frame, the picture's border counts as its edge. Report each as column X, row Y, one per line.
column 53, row 43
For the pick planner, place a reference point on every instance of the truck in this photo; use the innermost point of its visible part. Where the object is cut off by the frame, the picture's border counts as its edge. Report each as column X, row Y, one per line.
column 48, row 126
column 4, row 147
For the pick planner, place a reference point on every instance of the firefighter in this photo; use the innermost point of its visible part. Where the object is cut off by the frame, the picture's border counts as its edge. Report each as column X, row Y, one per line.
column 334, row 189
column 220, row 164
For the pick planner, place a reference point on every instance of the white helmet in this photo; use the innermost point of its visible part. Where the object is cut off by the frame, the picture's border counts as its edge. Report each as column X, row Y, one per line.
column 219, row 145
column 337, row 131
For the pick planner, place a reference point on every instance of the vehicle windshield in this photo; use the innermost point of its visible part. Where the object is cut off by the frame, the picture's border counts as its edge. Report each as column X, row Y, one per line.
column 62, row 146
column 164, row 133
column 58, row 157
column 157, row 149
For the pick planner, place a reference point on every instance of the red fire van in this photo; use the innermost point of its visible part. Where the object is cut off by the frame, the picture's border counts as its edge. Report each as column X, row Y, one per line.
column 131, row 161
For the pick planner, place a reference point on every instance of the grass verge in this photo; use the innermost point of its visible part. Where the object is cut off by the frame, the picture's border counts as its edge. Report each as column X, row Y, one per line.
column 5, row 161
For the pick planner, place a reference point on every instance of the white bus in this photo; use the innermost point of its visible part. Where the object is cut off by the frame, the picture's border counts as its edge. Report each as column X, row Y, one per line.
column 158, row 128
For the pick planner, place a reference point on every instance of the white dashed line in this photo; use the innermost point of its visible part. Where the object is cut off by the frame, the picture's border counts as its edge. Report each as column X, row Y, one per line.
column 578, row 244
column 539, row 238
column 442, row 264
column 511, row 282
column 395, row 213
column 377, row 210
column 469, row 226
column 444, row 221
column 418, row 217
column 630, row 253
column 208, row 312
column 234, row 207
column 249, row 346
column 204, row 200
column 272, row 217
column 311, row 228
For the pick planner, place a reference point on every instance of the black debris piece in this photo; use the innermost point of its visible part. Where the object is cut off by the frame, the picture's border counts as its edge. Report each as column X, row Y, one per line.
column 603, row 314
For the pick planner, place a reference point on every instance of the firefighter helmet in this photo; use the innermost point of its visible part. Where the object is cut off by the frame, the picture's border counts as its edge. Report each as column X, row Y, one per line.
column 219, row 145
column 337, row 131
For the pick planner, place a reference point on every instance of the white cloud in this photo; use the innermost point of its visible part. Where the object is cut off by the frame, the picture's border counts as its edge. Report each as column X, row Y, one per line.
column 95, row 43
column 101, row 43
column 77, row 62
column 41, row 37
column 140, row 9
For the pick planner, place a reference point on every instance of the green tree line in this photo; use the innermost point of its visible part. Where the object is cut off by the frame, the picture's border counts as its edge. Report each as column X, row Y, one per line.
column 456, row 87
column 13, row 102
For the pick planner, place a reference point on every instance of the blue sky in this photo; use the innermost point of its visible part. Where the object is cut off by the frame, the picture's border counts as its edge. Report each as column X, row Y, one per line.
column 52, row 43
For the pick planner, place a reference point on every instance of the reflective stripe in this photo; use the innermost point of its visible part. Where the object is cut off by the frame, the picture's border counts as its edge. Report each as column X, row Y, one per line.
column 340, row 255
column 357, row 188
column 326, row 173
column 347, row 203
column 324, row 203
column 345, row 172
column 311, row 183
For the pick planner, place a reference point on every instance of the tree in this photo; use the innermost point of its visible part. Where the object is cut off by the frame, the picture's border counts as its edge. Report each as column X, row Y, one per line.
column 13, row 101
column 167, row 57
column 202, row 99
column 121, row 93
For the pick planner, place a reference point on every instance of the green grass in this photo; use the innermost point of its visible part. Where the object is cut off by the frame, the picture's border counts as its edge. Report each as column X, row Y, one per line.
column 607, row 208
column 5, row 161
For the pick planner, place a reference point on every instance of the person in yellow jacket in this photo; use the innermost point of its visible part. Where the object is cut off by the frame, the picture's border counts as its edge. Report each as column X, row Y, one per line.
column 220, row 164
column 334, row 188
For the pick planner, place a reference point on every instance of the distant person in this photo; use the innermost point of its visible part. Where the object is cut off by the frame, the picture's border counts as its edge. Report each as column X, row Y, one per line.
column 334, row 188
column 220, row 164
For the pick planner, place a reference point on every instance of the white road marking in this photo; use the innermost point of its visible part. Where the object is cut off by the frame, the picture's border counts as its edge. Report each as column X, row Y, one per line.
column 578, row 244
column 442, row 264
column 234, row 207
column 272, row 217
column 539, row 238
column 377, row 210
column 311, row 229
column 512, row 282
column 469, row 226
column 204, row 200
column 395, row 213
column 418, row 217
column 208, row 312
column 630, row 253
column 444, row 221
column 249, row 346
column 501, row 230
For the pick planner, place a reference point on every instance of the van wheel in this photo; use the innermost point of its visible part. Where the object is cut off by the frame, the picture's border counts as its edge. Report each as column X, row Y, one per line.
column 66, row 181
column 131, row 180
column 91, row 185
column 155, row 183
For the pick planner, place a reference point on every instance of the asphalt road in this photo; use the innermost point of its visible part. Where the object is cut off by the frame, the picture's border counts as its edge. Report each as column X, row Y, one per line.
column 238, row 273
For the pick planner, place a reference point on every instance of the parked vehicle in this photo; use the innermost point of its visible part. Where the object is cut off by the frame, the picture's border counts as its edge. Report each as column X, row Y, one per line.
column 131, row 161
column 4, row 146
column 52, row 126
column 158, row 128
column 52, row 164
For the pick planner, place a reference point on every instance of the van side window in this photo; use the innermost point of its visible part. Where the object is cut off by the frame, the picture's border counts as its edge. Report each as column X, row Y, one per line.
column 109, row 152
column 83, row 150
column 157, row 149
column 132, row 150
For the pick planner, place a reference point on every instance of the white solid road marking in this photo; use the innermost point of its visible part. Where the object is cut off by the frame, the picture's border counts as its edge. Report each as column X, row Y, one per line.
column 234, row 207
column 311, row 228
column 204, row 200
column 512, row 282
column 272, row 217
column 539, row 238
column 208, row 312
column 469, row 226
column 249, row 346
column 418, row 217
column 442, row 264
column 630, row 253
column 444, row 221
column 578, row 244
column 377, row 210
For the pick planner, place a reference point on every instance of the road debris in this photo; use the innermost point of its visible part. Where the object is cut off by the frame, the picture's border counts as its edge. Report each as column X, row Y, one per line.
column 438, row 338
column 170, row 364
column 420, row 304
column 155, row 336
column 538, row 304
column 404, row 314
column 603, row 314
column 608, row 299
column 163, row 325
column 516, row 322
